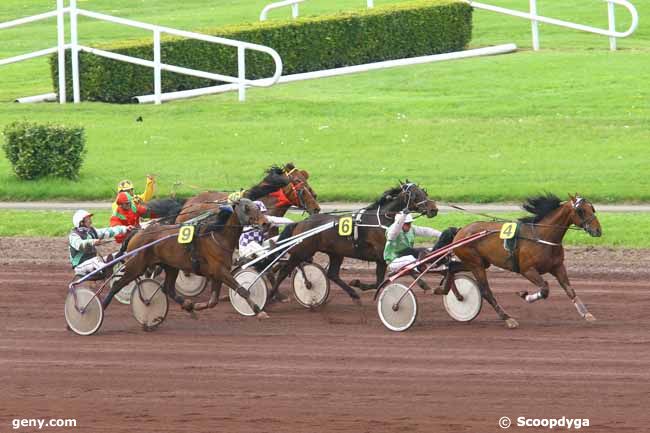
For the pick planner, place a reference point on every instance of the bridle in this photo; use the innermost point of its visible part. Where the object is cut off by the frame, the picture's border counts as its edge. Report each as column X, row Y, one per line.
column 407, row 189
column 577, row 207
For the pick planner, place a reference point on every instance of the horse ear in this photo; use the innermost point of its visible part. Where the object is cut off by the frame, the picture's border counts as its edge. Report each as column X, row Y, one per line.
column 400, row 182
column 572, row 198
column 305, row 174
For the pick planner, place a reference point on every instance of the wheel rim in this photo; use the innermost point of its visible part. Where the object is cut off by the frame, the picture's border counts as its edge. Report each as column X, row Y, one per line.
column 88, row 321
column 470, row 307
column 190, row 285
column 316, row 295
column 402, row 318
column 149, row 303
column 258, row 292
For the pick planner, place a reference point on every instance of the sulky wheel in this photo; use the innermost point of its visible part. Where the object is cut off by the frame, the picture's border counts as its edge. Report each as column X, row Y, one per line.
column 258, row 291
column 310, row 284
column 149, row 303
column 190, row 285
column 397, row 307
column 83, row 312
column 470, row 307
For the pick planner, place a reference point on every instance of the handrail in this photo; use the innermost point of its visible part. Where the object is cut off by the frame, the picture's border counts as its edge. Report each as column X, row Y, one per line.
column 532, row 16
column 157, row 64
column 294, row 7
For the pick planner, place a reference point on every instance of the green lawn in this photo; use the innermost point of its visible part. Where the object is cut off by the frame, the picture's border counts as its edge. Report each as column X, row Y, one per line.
column 570, row 118
column 619, row 230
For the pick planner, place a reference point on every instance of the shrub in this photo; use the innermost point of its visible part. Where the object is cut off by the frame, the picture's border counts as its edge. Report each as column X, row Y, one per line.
column 44, row 150
column 410, row 29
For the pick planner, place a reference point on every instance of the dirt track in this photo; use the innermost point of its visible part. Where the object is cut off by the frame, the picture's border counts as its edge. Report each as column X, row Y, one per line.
column 303, row 371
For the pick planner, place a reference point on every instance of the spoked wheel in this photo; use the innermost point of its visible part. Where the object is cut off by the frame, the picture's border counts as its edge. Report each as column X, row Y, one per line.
column 470, row 307
column 311, row 287
column 189, row 285
column 149, row 303
column 258, row 291
column 83, row 314
column 397, row 307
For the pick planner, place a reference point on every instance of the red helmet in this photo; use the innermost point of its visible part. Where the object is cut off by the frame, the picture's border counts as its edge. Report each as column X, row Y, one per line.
column 123, row 198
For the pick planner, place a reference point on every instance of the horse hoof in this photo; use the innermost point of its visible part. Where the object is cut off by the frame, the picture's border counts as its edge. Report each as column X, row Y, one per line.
column 522, row 294
column 262, row 315
column 512, row 323
column 590, row 317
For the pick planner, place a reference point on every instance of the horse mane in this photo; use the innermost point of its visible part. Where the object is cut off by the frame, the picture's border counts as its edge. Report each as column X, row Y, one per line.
column 217, row 222
column 540, row 206
column 387, row 196
column 167, row 208
column 273, row 181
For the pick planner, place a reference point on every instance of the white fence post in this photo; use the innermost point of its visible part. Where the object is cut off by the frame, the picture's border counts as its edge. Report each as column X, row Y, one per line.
column 60, row 27
column 611, row 15
column 370, row 4
column 534, row 25
column 74, row 52
column 241, row 68
column 157, row 68
column 294, row 10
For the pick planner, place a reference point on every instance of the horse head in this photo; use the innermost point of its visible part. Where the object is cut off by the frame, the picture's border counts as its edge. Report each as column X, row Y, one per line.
column 249, row 214
column 416, row 199
column 583, row 215
column 305, row 195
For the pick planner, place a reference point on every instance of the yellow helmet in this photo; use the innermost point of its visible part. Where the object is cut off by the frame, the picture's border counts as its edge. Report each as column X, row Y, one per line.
column 124, row 185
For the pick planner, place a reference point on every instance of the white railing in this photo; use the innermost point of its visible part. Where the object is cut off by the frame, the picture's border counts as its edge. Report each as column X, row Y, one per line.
column 158, row 66
column 294, row 7
column 59, row 13
column 535, row 19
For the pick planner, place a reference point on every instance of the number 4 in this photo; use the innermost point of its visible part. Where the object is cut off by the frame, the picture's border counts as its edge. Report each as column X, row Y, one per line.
column 508, row 231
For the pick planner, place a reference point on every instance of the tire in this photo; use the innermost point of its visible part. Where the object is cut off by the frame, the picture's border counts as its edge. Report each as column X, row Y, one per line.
column 88, row 321
column 258, row 292
column 403, row 317
column 149, row 303
column 470, row 307
column 190, row 285
column 318, row 291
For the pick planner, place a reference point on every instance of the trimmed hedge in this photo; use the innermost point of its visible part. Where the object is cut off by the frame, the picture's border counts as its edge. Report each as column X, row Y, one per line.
column 44, row 150
column 398, row 31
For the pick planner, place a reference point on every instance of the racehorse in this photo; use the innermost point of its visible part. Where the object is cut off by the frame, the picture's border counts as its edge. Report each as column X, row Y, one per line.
column 538, row 250
column 368, row 242
column 280, row 189
column 215, row 240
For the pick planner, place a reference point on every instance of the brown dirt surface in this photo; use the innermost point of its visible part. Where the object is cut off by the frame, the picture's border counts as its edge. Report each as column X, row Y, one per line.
column 329, row 370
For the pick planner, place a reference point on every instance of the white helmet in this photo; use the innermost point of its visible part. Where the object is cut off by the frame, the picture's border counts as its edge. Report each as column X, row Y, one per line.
column 408, row 218
column 79, row 216
column 260, row 206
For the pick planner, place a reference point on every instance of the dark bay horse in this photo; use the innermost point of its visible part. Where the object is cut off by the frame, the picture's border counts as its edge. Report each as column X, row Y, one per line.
column 538, row 250
column 366, row 243
column 216, row 239
column 281, row 188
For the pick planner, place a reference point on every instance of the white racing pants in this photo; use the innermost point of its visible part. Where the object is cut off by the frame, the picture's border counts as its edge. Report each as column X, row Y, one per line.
column 400, row 262
column 88, row 266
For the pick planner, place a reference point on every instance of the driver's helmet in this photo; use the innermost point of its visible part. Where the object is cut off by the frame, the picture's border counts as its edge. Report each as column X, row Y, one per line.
column 260, row 206
column 408, row 218
column 124, row 185
column 79, row 216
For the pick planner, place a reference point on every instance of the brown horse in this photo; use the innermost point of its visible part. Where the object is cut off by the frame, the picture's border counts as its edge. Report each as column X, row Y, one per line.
column 215, row 240
column 280, row 189
column 368, row 242
column 538, row 248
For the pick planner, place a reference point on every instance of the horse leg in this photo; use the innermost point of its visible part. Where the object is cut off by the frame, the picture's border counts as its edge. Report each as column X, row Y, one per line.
column 229, row 280
column 133, row 271
column 380, row 272
column 563, row 278
column 423, row 284
column 333, row 274
column 534, row 277
column 169, row 287
column 214, row 297
column 481, row 277
column 283, row 272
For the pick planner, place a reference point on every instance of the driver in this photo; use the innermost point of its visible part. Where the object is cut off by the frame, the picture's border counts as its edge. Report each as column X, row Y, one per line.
column 400, row 239
column 252, row 239
column 83, row 240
